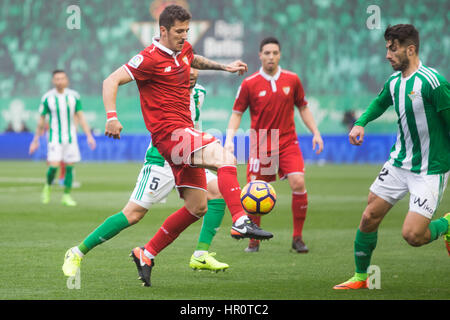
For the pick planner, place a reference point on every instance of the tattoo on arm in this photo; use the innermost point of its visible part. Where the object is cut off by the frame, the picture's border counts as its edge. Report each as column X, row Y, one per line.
column 202, row 63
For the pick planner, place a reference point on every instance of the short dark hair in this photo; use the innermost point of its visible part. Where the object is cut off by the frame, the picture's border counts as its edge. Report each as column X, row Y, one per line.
column 404, row 33
column 58, row 71
column 171, row 13
column 269, row 40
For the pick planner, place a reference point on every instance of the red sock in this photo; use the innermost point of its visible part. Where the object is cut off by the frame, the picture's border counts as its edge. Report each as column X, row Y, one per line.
column 62, row 172
column 299, row 207
column 231, row 191
column 256, row 219
column 170, row 230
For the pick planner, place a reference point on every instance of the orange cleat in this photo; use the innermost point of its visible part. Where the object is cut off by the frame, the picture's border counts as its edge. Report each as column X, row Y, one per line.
column 144, row 265
column 352, row 283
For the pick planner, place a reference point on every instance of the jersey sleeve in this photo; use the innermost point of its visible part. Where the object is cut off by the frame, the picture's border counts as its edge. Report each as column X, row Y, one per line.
column 140, row 67
column 440, row 96
column 78, row 105
column 299, row 94
column 377, row 107
column 43, row 107
column 242, row 98
column 77, row 97
column 384, row 98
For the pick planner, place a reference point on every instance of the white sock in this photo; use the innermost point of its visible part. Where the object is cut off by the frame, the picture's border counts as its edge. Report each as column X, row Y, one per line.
column 77, row 251
column 199, row 253
column 241, row 220
column 148, row 254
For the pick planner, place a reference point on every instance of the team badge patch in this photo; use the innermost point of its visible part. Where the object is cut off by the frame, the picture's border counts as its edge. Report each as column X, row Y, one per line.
column 136, row 61
column 262, row 93
column 286, row 90
column 185, row 60
column 413, row 95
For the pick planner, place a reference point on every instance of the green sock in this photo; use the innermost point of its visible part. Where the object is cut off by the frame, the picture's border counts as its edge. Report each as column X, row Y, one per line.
column 68, row 179
column 438, row 228
column 211, row 222
column 365, row 243
column 51, row 172
column 108, row 229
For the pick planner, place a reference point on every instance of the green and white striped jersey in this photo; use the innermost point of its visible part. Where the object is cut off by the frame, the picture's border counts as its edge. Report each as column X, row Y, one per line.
column 423, row 141
column 61, row 108
column 152, row 156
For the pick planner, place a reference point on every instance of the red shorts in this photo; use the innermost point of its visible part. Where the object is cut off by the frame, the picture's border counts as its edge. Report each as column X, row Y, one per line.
column 177, row 149
column 289, row 160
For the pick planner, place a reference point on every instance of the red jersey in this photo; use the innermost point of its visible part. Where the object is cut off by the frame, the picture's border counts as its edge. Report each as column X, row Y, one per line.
column 271, row 101
column 162, row 77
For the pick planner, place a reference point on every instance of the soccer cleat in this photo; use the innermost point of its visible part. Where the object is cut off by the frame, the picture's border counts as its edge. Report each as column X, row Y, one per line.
column 144, row 265
column 447, row 235
column 72, row 263
column 45, row 195
column 207, row 262
column 68, row 201
column 253, row 246
column 249, row 229
column 298, row 245
column 352, row 283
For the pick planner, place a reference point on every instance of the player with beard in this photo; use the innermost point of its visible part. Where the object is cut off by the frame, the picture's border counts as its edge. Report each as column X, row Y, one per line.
column 419, row 161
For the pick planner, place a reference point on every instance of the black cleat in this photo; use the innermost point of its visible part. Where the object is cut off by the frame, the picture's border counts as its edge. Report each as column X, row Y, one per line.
column 144, row 265
column 249, row 230
column 299, row 246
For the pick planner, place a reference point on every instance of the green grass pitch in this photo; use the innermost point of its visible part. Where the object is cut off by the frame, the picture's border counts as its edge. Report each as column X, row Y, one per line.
column 34, row 238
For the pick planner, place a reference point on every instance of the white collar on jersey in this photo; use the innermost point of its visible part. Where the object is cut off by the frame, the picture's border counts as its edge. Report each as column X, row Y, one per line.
column 272, row 79
column 172, row 53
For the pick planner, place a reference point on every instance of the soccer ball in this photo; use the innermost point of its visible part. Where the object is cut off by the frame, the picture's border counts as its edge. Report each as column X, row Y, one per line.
column 258, row 197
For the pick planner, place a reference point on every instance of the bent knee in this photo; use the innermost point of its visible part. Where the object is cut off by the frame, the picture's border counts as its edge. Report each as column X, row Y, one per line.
column 134, row 217
column 412, row 237
column 199, row 209
column 134, row 212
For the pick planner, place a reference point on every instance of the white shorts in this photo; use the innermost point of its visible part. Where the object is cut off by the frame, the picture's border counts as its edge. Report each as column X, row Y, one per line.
column 154, row 184
column 426, row 191
column 67, row 152
column 209, row 176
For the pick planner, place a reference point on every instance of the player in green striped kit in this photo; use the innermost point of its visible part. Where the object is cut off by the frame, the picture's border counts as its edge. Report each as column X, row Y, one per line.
column 419, row 162
column 63, row 106
column 153, row 185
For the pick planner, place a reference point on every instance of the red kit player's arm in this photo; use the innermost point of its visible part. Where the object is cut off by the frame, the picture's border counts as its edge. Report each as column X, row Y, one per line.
column 203, row 63
column 111, row 85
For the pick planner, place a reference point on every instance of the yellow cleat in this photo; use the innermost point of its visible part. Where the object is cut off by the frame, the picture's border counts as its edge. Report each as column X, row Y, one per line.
column 207, row 262
column 72, row 262
column 447, row 235
column 352, row 283
column 68, row 201
column 45, row 195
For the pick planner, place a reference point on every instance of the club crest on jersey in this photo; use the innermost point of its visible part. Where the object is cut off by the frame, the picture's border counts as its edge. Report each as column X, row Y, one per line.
column 136, row 61
column 286, row 90
column 185, row 60
column 413, row 95
column 168, row 69
column 262, row 93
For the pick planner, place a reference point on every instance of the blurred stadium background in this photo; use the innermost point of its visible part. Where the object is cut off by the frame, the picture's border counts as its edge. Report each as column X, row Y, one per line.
column 341, row 62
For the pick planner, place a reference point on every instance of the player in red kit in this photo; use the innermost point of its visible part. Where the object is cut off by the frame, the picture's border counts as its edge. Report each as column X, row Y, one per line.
column 271, row 94
column 162, row 73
